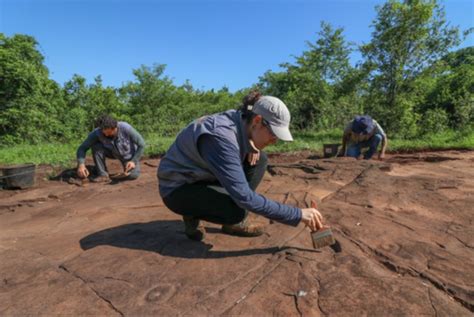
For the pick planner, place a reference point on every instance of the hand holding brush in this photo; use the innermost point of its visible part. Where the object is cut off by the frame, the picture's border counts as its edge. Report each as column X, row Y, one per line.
column 322, row 236
column 312, row 217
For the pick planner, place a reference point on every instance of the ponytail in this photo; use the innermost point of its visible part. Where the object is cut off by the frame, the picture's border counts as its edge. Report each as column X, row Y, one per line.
column 247, row 104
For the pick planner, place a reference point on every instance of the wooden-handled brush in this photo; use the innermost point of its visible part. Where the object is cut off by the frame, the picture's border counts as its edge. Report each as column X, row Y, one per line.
column 322, row 237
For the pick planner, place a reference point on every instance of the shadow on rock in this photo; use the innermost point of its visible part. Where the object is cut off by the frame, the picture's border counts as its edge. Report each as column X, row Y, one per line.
column 165, row 237
column 69, row 173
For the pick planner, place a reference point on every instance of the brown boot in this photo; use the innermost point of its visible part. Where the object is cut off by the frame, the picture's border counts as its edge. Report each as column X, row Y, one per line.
column 243, row 229
column 192, row 229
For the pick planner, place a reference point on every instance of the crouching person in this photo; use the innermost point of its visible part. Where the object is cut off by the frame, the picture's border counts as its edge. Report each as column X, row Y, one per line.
column 214, row 166
column 115, row 140
column 363, row 132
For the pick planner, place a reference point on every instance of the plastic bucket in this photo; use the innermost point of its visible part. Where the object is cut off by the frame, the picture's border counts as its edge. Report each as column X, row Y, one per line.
column 18, row 176
column 330, row 150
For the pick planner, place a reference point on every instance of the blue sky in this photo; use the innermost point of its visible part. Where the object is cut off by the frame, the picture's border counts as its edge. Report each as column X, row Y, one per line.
column 212, row 43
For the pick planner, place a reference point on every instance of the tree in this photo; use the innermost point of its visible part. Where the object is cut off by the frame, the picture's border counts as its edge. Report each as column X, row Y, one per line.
column 29, row 100
column 314, row 87
column 453, row 91
column 408, row 36
column 328, row 57
column 84, row 103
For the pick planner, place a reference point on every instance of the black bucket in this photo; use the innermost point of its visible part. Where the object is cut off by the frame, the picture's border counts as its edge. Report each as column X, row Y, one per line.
column 330, row 150
column 18, row 176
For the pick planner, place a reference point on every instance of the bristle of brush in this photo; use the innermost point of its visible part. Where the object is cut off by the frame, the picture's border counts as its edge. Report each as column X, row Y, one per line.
column 322, row 238
column 323, row 242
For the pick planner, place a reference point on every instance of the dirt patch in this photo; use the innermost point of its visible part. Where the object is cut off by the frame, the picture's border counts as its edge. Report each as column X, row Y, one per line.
column 422, row 157
column 405, row 227
column 292, row 156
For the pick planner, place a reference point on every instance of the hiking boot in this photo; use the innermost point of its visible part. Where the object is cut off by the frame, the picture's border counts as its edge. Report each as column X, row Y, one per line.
column 243, row 229
column 101, row 179
column 192, row 229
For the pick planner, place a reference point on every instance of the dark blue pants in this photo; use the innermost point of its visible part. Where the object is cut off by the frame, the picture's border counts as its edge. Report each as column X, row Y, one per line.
column 209, row 202
column 354, row 149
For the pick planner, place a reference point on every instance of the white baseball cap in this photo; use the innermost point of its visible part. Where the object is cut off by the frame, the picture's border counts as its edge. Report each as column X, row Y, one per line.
column 275, row 112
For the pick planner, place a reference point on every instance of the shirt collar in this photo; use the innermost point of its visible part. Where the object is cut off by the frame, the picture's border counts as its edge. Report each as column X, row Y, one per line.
column 242, row 132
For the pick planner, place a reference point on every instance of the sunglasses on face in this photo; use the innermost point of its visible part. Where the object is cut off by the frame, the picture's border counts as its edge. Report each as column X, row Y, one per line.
column 267, row 125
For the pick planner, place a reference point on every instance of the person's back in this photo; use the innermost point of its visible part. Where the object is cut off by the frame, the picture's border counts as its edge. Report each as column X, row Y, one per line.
column 183, row 163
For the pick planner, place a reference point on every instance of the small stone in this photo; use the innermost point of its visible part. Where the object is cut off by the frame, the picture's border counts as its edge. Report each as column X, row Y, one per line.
column 301, row 293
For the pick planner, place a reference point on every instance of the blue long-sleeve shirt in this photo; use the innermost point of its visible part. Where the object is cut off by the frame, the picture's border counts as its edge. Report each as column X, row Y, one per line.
column 214, row 148
column 224, row 162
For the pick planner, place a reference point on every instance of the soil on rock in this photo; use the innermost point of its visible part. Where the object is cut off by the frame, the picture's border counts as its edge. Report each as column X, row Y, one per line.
column 405, row 226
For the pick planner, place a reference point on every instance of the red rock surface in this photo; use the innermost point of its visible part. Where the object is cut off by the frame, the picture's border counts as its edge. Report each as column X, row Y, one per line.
column 405, row 226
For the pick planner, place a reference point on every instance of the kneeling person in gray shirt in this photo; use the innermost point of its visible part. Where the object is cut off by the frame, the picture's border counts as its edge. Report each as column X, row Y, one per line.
column 111, row 139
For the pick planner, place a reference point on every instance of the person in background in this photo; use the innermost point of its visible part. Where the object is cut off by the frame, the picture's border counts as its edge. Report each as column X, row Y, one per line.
column 363, row 132
column 216, row 163
column 111, row 139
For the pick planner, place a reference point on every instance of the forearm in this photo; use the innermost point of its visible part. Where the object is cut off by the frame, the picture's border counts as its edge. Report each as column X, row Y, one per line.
column 224, row 162
column 84, row 147
column 384, row 145
column 140, row 142
column 344, row 144
column 138, row 153
column 81, row 154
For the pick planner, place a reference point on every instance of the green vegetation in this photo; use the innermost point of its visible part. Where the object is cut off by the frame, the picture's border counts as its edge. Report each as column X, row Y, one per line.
column 51, row 153
column 409, row 80
column 64, row 154
column 436, row 141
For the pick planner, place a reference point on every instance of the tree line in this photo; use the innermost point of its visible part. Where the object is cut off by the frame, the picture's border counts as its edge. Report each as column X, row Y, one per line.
column 408, row 79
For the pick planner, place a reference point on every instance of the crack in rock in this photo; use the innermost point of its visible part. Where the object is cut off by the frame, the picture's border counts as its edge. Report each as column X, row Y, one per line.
column 389, row 264
column 254, row 286
column 295, row 298
column 65, row 269
column 319, row 298
column 432, row 305
column 224, row 287
column 116, row 279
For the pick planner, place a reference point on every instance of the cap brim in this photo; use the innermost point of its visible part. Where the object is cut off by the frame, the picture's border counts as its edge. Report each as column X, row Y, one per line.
column 283, row 133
